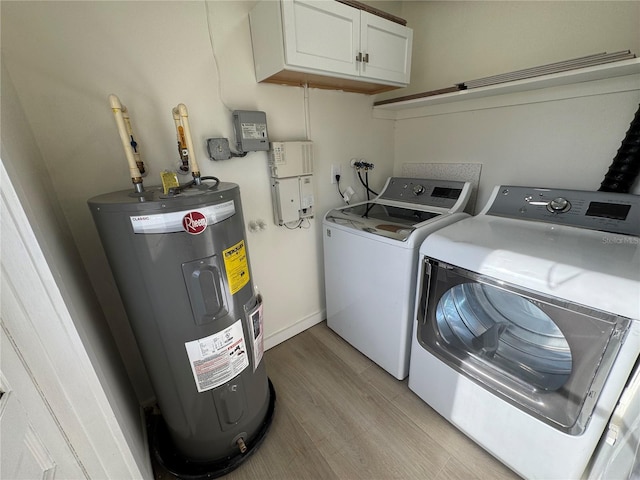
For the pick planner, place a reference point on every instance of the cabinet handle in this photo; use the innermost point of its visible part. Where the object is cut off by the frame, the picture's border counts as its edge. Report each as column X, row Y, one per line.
column 366, row 58
column 359, row 57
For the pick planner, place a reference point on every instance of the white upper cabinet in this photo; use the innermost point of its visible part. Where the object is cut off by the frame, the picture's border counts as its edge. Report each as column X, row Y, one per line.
column 386, row 48
column 321, row 35
column 328, row 44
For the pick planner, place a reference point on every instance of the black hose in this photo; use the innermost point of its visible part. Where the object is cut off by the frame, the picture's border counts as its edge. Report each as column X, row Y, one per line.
column 193, row 182
column 365, row 185
column 338, row 185
column 180, row 188
column 626, row 164
column 216, row 179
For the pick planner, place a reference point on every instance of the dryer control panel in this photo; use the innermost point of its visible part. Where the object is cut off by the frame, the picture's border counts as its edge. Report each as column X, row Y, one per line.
column 603, row 211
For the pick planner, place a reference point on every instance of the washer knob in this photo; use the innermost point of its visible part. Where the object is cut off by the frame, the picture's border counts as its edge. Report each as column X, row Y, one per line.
column 418, row 190
column 558, row 205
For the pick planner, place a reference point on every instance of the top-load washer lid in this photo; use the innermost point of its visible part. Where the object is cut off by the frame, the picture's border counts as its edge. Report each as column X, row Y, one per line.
column 402, row 206
column 587, row 252
column 384, row 220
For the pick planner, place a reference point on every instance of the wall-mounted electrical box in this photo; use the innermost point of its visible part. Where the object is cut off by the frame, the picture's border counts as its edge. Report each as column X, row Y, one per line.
column 292, row 198
column 251, row 130
column 291, row 165
column 290, row 159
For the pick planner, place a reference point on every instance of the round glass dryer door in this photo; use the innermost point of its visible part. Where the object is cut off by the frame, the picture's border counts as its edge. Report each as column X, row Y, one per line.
column 542, row 354
column 506, row 330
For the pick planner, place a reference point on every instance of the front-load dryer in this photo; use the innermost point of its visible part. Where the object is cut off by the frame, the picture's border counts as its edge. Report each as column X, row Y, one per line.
column 370, row 259
column 528, row 324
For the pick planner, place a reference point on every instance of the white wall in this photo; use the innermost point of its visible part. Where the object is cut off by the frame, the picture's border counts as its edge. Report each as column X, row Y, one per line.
column 67, row 57
column 455, row 41
column 562, row 143
column 561, row 137
column 23, row 161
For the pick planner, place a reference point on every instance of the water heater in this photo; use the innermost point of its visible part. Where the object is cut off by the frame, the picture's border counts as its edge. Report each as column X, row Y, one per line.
column 182, row 267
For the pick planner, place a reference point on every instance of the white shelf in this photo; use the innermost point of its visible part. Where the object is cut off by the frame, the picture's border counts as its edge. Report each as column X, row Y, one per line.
column 600, row 72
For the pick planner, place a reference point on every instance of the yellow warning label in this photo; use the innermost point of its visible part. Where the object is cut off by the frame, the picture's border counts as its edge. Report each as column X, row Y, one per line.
column 235, row 263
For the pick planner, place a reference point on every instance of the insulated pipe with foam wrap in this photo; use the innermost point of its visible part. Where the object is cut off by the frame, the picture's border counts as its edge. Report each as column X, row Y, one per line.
column 181, row 112
column 118, row 113
column 132, row 142
column 183, row 151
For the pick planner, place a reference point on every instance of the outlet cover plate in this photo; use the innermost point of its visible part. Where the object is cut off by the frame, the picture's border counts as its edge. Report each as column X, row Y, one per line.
column 336, row 169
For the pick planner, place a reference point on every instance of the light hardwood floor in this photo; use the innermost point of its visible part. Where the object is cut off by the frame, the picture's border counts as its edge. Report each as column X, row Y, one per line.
column 340, row 416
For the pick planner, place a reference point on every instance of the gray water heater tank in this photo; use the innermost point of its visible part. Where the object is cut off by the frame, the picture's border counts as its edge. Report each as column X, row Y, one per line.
column 182, row 268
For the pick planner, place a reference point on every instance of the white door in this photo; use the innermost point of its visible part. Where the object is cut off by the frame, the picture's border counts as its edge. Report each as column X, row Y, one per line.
column 321, row 35
column 55, row 417
column 32, row 444
column 386, row 47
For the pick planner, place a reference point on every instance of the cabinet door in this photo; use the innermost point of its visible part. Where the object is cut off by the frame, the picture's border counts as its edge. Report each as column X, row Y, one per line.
column 388, row 46
column 321, row 35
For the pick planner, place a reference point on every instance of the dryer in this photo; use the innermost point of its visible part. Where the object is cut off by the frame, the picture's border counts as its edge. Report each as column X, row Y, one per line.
column 370, row 259
column 528, row 323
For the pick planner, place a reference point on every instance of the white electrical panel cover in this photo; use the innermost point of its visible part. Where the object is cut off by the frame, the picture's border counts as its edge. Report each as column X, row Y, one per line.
column 286, row 200
column 291, row 159
column 291, row 165
column 292, row 198
column 306, row 195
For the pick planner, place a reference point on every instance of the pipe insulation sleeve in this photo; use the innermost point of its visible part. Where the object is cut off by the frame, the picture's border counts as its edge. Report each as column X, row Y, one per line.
column 625, row 168
column 184, row 116
column 176, row 121
column 118, row 110
column 132, row 142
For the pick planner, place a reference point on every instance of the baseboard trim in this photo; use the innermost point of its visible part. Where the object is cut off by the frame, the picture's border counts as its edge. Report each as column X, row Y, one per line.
column 291, row 331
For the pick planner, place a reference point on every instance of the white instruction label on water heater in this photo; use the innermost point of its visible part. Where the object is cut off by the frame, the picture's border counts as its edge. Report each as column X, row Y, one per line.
column 256, row 326
column 218, row 358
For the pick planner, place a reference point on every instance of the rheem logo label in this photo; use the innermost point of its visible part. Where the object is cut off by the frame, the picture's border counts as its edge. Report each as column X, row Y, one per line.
column 194, row 223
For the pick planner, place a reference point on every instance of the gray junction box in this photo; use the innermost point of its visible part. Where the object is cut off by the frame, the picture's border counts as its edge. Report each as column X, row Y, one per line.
column 182, row 268
column 251, row 130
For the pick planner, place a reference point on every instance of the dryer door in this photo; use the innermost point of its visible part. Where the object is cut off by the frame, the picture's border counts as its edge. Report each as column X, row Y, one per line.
column 545, row 356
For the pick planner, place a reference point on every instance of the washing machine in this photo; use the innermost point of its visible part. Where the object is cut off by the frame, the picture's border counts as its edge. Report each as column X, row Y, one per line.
column 528, row 324
column 370, row 257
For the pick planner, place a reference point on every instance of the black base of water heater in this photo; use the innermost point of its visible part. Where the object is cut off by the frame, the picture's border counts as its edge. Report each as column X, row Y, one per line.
column 167, row 456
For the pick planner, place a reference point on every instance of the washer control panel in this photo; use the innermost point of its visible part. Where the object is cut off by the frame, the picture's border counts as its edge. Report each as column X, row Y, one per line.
column 422, row 191
column 604, row 211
